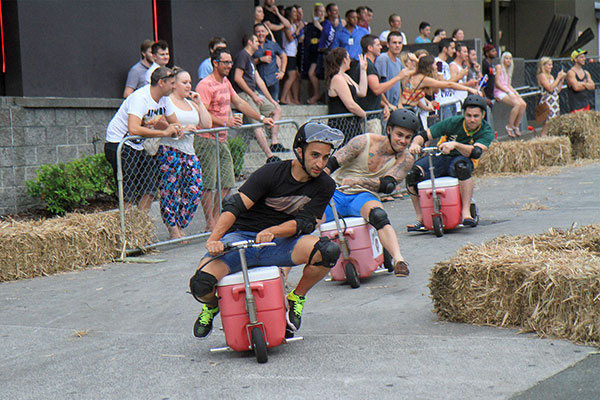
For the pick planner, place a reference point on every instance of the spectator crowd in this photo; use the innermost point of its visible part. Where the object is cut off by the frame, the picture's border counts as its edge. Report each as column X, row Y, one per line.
column 366, row 74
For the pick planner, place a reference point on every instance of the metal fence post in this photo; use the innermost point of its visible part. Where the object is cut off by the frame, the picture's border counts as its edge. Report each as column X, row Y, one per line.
column 218, row 170
column 121, row 201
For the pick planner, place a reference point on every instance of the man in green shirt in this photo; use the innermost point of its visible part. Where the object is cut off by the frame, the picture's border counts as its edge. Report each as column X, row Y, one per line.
column 461, row 139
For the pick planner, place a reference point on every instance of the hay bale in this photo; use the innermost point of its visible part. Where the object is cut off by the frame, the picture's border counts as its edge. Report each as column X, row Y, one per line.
column 583, row 130
column 547, row 283
column 35, row 248
column 519, row 156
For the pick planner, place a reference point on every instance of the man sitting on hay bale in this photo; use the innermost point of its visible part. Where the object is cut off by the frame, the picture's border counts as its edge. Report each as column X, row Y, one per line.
column 462, row 141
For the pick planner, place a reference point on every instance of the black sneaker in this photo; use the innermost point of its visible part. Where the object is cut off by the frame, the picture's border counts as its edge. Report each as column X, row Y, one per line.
column 204, row 323
column 278, row 148
column 272, row 159
column 294, row 315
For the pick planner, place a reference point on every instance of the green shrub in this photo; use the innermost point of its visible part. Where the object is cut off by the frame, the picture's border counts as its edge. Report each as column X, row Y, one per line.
column 238, row 148
column 66, row 186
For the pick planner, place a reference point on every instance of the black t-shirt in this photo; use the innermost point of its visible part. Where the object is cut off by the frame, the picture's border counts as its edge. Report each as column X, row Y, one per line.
column 274, row 19
column 245, row 62
column 370, row 101
column 488, row 68
column 279, row 198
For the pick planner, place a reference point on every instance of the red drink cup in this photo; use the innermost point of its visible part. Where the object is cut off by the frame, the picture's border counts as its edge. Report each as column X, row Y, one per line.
column 267, row 52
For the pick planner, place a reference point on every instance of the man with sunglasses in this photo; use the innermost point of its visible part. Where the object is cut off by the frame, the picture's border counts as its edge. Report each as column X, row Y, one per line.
column 146, row 112
column 218, row 95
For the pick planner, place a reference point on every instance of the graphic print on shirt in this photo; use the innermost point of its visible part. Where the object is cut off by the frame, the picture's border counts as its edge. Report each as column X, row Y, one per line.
column 290, row 205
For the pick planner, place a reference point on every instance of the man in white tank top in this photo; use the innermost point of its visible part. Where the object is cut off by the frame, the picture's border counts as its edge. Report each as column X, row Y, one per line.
column 371, row 164
column 445, row 97
column 458, row 72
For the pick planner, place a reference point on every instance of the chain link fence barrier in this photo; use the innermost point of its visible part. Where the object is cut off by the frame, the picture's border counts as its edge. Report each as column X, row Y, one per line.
column 177, row 190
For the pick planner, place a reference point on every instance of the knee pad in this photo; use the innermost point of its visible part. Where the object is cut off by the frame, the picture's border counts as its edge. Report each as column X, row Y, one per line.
column 378, row 218
column 330, row 252
column 462, row 170
column 413, row 177
column 201, row 284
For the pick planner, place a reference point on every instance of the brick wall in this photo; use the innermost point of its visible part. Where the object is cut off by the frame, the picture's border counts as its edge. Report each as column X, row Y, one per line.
column 38, row 131
column 44, row 130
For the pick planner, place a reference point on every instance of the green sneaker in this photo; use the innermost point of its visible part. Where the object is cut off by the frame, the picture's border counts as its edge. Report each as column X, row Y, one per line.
column 294, row 315
column 203, row 325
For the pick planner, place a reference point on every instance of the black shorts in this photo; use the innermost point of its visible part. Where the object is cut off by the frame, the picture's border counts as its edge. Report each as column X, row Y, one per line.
column 291, row 64
column 140, row 174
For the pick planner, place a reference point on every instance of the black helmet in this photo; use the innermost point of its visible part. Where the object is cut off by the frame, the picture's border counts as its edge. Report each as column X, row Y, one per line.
column 474, row 100
column 405, row 119
column 317, row 132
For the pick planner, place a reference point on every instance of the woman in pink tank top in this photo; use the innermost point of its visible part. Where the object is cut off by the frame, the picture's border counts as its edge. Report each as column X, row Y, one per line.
column 505, row 93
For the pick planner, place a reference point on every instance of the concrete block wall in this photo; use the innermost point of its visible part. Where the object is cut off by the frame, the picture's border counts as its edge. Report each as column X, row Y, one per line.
column 38, row 131
column 35, row 131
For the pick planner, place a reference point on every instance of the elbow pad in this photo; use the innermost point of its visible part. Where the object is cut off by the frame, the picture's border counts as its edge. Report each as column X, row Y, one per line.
column 387, row 184
column 305, row 223
column 332, row 164
column 476, row 152
column 234, row 204
column 423, row 134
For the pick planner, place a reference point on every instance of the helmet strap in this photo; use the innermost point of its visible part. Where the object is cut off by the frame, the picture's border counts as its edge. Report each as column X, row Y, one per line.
column 301, row 160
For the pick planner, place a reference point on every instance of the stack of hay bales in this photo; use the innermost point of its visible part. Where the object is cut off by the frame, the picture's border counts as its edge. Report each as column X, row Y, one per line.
column 547, row 283
column 36, row 248
column 521, row 157
column 583, row 130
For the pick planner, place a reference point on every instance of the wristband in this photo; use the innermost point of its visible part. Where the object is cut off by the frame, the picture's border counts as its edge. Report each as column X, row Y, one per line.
column 262, row 117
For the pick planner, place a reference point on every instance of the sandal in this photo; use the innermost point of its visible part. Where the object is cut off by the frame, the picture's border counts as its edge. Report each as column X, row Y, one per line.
column 517, row 131
column 416, row 227
column 510, row 131
column 401, row 269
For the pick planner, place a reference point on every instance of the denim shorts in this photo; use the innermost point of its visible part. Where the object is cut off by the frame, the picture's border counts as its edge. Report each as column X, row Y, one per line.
column 280, row 255
column 443, row 165
column 348, row 205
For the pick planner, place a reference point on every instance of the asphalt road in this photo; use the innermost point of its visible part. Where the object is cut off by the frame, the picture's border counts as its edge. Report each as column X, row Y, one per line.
column 124, row 331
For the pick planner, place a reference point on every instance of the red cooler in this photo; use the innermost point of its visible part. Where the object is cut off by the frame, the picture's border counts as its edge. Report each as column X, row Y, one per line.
column 449, row 195
column 267, row 288
column 366, row 251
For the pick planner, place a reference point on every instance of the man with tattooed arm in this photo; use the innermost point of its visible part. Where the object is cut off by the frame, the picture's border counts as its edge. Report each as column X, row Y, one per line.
column 371, row 164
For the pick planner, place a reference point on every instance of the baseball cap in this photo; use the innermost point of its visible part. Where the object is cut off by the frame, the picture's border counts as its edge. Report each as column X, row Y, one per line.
column 487, row 48
column 577, row 53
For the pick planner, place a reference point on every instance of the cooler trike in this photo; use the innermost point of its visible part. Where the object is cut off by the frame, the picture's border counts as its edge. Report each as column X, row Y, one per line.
column 440, row 201
column 253, row 307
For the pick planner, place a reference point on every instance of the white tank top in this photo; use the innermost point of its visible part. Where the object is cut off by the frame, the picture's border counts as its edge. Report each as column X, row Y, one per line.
column 185, row 117
column 460, row 94
column 290, row 47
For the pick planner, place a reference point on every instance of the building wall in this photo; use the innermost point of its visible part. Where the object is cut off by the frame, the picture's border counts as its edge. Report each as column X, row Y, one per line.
column 83, row 48
column 532, row 18
column 38, row 131
column 76, row 48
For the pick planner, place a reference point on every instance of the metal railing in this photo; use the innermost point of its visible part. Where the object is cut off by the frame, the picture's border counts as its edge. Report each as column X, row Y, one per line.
column 242, row 149
column 246, row 156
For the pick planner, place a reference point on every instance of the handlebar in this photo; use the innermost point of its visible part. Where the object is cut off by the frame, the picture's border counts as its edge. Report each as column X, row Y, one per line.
column 245, row 244
column 431, row 151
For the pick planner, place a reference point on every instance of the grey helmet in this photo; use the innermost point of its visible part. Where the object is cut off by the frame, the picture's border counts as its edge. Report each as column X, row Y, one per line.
column 316, row 132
